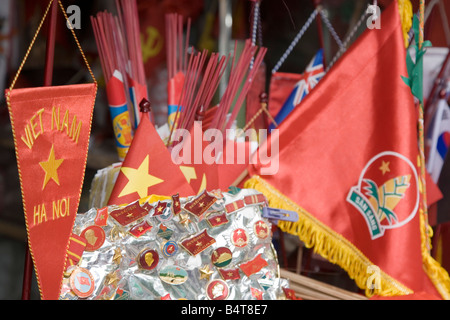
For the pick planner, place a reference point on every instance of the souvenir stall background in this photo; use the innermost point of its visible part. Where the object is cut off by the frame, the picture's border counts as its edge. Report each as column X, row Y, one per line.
column 281, row 21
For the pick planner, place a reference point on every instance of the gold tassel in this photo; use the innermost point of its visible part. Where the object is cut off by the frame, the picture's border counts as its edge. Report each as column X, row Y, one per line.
column 406, row 13
column 437, row 274
column 329, row 244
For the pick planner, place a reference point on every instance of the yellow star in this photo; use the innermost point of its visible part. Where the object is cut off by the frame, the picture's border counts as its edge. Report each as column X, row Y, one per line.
column 139, row 180
column 117, row 255
column 50, row 167
column 205, row 272
column 112, row 278
column 384, row 167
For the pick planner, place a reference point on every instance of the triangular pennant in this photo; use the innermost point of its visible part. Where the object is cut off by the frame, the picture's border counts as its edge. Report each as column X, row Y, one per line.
column 51, row 127
column 148, row 169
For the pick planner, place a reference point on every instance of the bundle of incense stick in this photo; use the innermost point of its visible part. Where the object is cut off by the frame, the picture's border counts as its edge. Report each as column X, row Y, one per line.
column 128, row 19
column 203, row 75
column 114, row 64
column 109, row 42
column 242, row 74
column 176, row 50
column 129, row 26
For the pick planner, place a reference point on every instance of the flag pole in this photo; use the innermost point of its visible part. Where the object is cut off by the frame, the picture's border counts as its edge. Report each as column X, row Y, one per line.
column 48, row 77
column 421, row 131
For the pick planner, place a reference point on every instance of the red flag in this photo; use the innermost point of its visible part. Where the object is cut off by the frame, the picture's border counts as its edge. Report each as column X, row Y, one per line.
column 348, row 166
column 148, row 169
column 51, row 127
column 195, row 157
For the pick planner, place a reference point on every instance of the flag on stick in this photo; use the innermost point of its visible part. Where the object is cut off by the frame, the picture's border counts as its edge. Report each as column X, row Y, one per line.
column 348, row 165
column 148, row 167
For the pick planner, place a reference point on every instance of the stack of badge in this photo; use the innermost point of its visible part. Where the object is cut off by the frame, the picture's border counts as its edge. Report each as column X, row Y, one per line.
column 213, row 246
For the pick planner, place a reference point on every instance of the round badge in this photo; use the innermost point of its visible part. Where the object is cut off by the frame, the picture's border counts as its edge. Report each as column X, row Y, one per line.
column 239, row 237
column 217, row 290
column 148, row 259
column 173, row 275
column 169, row 248
column 95, row 237
column 82, row 282
column 221, row 257
column 261, row 229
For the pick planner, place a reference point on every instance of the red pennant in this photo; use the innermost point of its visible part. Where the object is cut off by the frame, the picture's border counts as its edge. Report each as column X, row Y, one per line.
column 148, row 169
column 51, row 127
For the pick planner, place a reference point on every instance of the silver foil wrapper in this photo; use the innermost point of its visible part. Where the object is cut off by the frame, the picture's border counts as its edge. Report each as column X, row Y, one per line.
column 227, row 267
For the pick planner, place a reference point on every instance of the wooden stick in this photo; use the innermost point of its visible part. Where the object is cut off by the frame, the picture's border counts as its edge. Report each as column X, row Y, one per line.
column 319, row 286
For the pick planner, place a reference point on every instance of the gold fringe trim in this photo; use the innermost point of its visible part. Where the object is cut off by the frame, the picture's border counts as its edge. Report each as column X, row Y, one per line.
column 406, row 13
column 438, row 275
column 329, row 244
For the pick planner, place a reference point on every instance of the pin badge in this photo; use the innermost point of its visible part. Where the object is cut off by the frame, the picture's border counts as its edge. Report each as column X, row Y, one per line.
column 261, row 229
column 205, row 272
column 101, row 217
column 82, row 282
column 148, row 259
column 176, row 204
column 234, row 206
column 229, row 274
column 173, row 275
column 253, row 266
column 199, row 205
column 169, row 249
column 129, row 214
column 139, row 229
column 164, row 232
column 221, row 257
column 159, row 209
column 217, row 220
column 217, row 290
column 197, row 243
column 95, row 237
column 239, row 237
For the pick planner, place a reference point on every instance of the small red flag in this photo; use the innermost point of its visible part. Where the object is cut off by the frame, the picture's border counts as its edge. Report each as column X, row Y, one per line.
column 148, row 169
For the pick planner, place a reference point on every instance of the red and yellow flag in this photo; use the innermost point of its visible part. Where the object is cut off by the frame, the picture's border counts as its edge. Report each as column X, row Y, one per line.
column 51, row 127
column 148, row 169
column 348, row 165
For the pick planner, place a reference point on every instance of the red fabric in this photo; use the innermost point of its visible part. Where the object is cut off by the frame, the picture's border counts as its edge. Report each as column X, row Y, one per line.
column 234, row 164
column 147, row 148
column 51, row 127
column 200, row 174
column 360, row 115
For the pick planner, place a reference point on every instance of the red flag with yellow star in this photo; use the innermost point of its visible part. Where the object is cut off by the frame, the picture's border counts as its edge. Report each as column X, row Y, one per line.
column 148, row 169
column 51, row 128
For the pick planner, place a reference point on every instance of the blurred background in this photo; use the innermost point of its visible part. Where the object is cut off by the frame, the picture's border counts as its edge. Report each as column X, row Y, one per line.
column 281, row 20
